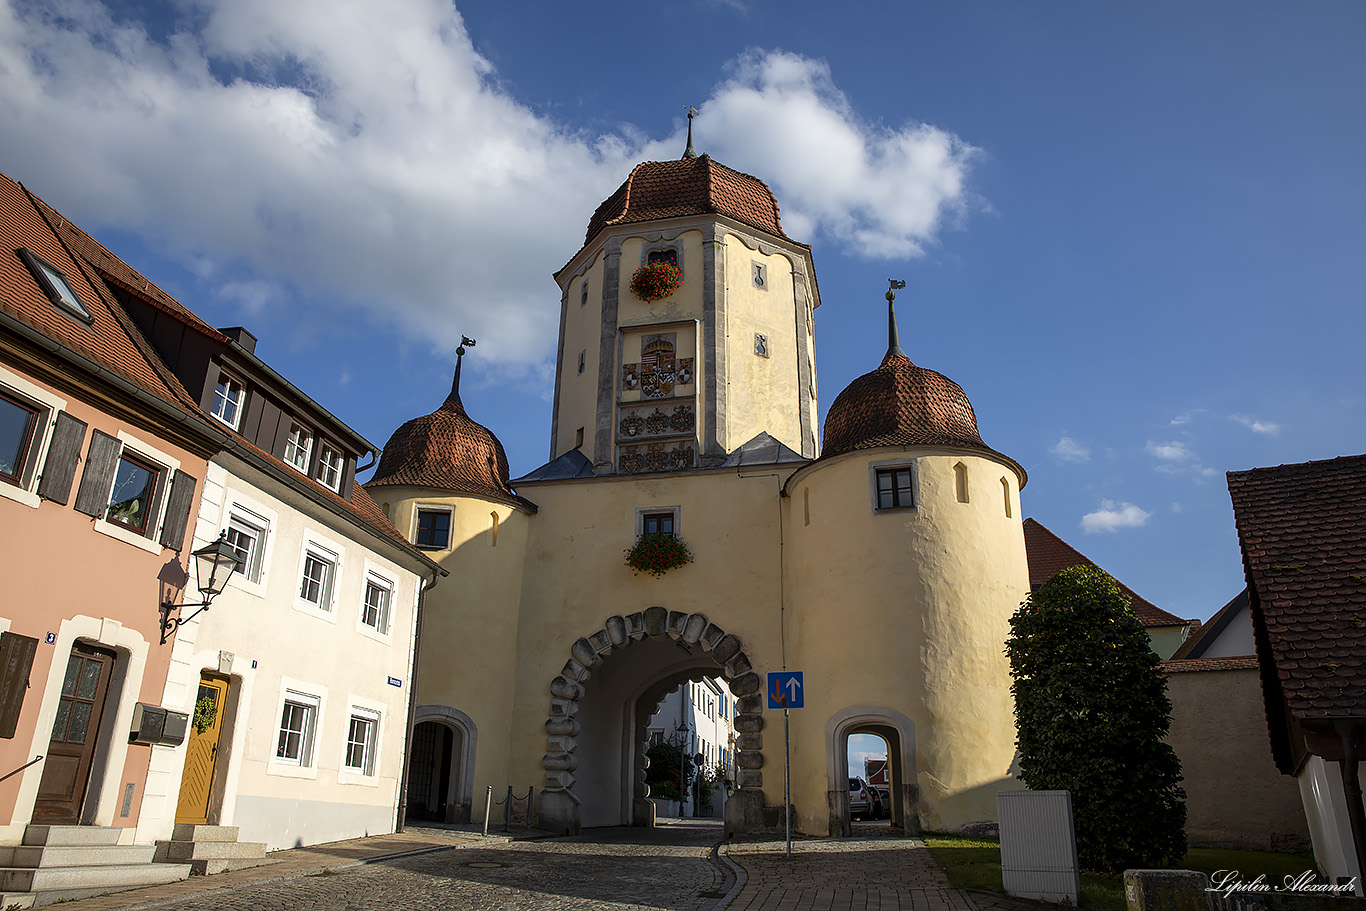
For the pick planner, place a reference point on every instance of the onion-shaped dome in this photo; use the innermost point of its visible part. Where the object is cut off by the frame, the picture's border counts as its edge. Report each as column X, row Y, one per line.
column 688, row 186
column 448, row 451
column 901, row 404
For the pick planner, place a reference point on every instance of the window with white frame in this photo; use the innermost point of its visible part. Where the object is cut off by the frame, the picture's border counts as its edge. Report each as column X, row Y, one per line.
column 316, row 580
column 298, row 721
column 299, row 447
column 362, row 739
column 227, row 401
column 374, row 610
column 329, row 466
column 247, row 535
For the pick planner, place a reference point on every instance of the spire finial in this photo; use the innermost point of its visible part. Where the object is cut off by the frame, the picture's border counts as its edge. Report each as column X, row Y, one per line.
column 690, row 152
column 893, row 343
column 465, row 340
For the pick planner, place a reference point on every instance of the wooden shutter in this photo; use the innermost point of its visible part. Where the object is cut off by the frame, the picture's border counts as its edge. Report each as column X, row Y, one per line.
column 178, row 511
column 101, row 461
column 63, row 454
column 16, row 660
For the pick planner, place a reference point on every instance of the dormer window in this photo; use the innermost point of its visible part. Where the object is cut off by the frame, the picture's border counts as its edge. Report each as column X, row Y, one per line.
column 299, row 447
column 329, row 466
column 54, row 284
column 227, row 401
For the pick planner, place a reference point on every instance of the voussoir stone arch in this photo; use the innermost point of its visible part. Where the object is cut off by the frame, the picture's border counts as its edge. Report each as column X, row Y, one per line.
column 559, row 808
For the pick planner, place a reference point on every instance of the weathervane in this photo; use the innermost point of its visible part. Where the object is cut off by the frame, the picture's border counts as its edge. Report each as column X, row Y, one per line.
column 465, row 340
column 690, row 152
column 893, row 344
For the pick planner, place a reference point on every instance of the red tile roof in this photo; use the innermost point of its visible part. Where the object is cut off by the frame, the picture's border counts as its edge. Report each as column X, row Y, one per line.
column 688, row 186
column 1303, row 534
column 449, row 451
column 1188, row 665
column 110, row 340
column 1048, row 555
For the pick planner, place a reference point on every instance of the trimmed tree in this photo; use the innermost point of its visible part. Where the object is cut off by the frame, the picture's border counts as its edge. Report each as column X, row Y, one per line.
column 1091, row 710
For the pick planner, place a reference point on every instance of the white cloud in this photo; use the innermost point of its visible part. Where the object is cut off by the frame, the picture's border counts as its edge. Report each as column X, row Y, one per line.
column 1112, row 516
column 363, row 158
column 1255, row 425
column 1186, row 417
column 1069, row 450
column 1175, row 451
column 1176, row 507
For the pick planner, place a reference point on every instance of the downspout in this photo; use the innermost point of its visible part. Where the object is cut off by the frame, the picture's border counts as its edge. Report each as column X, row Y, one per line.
column 1351, row 784
column 412, row 702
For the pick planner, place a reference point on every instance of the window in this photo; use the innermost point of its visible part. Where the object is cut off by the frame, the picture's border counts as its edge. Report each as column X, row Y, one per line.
column 227, row 401
column 656, row 737
column 133, row 499
column 433, row 529
column 582, row 360
column 315, row 586
column 18, row 423
column 374, row 611
column 658, row 523
column 664, row 256
column 960, row 482
column 248, row 538
column 578, row 438
column 297, row 722
column 54, row 284
column 1005, row 490
column 894, row 488
column 299, row 447
column 329, row 466
column 361, row 739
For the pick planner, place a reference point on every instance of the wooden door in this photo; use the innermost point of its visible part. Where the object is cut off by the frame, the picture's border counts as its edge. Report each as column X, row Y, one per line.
column 201, row 757
column 75, row 733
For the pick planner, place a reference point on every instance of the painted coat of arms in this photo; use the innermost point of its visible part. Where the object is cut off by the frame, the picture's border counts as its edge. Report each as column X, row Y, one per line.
column 658, row 369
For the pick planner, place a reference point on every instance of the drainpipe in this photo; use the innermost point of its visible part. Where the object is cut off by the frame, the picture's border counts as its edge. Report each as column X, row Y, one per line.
column 1351, row 784
column 427, row 586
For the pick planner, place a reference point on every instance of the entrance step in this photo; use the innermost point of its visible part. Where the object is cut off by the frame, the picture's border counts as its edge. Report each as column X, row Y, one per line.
column 211, row 849
column 59, row 863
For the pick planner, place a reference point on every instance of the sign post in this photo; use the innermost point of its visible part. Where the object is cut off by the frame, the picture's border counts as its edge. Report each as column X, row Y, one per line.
column 785, row 691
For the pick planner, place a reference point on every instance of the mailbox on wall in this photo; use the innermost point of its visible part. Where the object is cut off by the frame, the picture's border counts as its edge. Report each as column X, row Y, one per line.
column 158, row 726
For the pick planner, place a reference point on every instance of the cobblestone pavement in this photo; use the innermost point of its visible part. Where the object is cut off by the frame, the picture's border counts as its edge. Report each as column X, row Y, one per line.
column 876, row 870
column 604, row 870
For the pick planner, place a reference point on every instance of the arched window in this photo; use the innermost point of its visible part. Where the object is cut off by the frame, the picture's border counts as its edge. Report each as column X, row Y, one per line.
column 1005, row 489
column 960, row 481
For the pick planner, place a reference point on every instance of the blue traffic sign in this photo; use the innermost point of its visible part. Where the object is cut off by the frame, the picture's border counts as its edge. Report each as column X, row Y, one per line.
column 785, row 690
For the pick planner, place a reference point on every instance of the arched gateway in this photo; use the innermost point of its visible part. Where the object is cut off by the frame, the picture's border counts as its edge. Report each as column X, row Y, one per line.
column 560, row 808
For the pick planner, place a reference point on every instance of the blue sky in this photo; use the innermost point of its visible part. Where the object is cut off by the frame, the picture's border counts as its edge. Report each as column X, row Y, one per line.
column 1131, row 232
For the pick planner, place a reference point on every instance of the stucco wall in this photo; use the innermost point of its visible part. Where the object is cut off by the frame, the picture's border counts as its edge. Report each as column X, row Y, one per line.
column 65, row 576
column 908, row 610
column 582, row 330
column 1235, row 797
column 265, row 640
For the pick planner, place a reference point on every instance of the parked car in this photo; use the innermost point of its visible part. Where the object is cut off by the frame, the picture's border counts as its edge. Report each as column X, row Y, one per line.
column 862, row 799
column 886, row 803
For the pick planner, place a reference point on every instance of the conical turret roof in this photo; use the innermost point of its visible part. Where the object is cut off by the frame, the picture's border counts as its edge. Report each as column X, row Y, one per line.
column 448, row 451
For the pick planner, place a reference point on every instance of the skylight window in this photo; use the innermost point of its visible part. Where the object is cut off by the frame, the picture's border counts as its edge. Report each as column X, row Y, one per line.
column 54, row 284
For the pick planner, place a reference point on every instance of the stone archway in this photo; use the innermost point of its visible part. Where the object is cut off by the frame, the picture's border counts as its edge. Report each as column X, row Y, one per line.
column 449, row 781
column 898, row 731
column 559, row 809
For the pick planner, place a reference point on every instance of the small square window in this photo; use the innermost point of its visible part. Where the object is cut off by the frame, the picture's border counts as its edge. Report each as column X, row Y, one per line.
column 299, row 447
column 315, row 586
column 361, row 741
column 132, row 500
column 374, row 611
column 18, row 425
column 227, row 401
column 329, row 466
column 248, row 538
column 297, row 722
column 54, row 284
column 433, row 529
column 894, row 488
column 657, row 523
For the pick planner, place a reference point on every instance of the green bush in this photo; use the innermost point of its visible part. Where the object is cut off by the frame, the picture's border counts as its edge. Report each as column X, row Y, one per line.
column 1091, row 710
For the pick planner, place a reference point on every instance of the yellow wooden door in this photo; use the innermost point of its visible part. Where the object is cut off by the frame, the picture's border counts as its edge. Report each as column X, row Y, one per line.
column 201, row 757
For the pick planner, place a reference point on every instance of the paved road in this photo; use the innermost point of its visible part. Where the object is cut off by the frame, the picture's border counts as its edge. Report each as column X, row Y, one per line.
column 605, row 870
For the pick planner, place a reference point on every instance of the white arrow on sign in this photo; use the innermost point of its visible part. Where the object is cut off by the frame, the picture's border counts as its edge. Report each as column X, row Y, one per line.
column 793, row 684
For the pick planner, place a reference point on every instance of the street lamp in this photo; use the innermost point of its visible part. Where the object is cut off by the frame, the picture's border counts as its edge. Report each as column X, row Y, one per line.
column 214, row 564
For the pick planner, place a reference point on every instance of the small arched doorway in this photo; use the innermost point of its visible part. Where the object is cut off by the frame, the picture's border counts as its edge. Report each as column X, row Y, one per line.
column 440, row 765
column 898, row 732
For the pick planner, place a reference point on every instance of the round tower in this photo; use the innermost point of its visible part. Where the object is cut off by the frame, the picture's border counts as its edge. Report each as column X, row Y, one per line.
column 907, row 560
